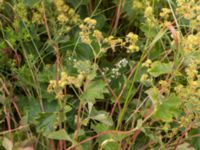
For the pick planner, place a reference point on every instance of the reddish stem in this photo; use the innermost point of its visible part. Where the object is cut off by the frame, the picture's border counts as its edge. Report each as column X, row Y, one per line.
column 52, row 144
column 111, row 90
column 100, row 134
column 60, row 145
column 116, row 18
column 7, row 115
column 16, row 107
column 182, row 135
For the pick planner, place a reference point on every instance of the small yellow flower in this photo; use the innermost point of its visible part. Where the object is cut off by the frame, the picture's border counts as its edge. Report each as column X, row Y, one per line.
column 178, row 88
column 147, row 63
column 132, row 49
column 165, row 13
column 148, row 12
column 89, row 21
column 60, row 95
column 143, row 78
column 98, row 35
column 137, row 5
column 131, row 37
column 62, row 18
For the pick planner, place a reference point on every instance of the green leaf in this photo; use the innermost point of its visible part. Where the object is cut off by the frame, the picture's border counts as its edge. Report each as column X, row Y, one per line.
column 59, row 135
column 103, row 117
column 67, row 108
column 101, row 20
column 46, row 122
column 158, row 68
column 195, row 140
column 94, row 90
column 110, row 144
column 150, row 32
column 100, row 127
column 156, row 51
column 83, row 51
column 108, row 141
column 168, row 108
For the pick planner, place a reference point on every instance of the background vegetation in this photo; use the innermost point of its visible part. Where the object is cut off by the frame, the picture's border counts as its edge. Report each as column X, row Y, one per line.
column 99, row 74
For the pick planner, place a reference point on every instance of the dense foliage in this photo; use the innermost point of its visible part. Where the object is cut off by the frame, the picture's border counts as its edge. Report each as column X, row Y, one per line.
column 99, row 74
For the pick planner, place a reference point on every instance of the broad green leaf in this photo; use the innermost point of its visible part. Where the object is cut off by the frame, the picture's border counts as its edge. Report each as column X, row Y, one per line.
column 110, row 144
column 156, row 51
column 59, row 135
column 195, row 140
column 94, row 90
column 165, row 108
column 158, row 68
column 46, row 122
column 101, row 20
column 67, row 108
column 168, row 108
column 100, row 127
column 149, row 31
column 103, row 117
column 83, row 51
column 108, row 141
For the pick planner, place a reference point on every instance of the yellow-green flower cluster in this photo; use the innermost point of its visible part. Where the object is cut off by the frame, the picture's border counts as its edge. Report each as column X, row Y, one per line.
column 146, row 78
column 191, row 71
column 98, row 35
column 71, row 80
column 185, row 8
column 137, row 4
column 37, row 16
column 147, row 63
column 21, row 11
column 185, row 121
column 165, row 13
column 87, row 28
column 191, row 43
column 20, row 14
column 150, row 18
column 132, row 39
column 190, row 93
column 52, row 86
column 66, row 15
column 58, row 86
column 165, row 86
column 190, row 10
column 114, row 42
